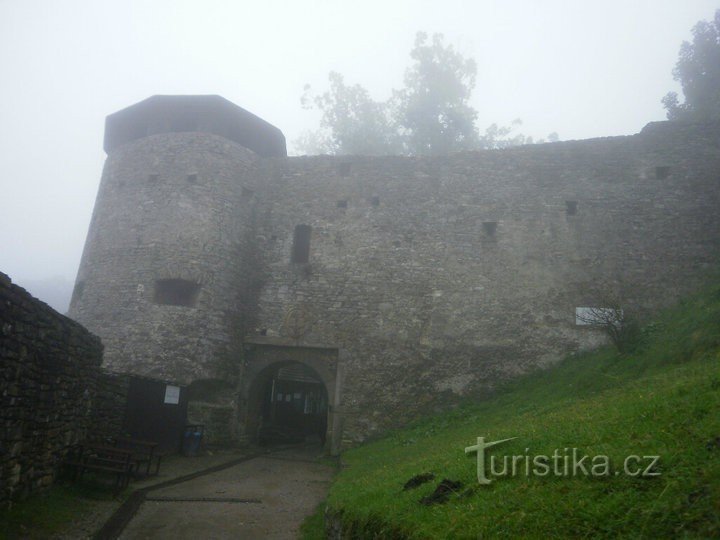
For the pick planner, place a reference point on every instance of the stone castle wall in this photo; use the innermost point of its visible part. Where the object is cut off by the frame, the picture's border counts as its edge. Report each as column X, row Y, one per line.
column 443, row 276
column 53, row 393
column 433, row 278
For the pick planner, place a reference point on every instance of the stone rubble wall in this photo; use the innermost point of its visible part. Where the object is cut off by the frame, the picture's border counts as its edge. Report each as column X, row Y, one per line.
column 53, row 393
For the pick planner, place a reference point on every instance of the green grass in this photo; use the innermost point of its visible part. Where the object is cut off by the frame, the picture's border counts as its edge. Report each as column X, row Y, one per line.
column 313, row 528
column 52, row 512
column 662, row 399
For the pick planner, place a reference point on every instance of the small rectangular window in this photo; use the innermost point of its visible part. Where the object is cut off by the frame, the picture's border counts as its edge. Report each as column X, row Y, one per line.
column 301, row 244
column 490, row 227
column 662, row 172
column 342, row 204
column 571, row 208
column 176, row 292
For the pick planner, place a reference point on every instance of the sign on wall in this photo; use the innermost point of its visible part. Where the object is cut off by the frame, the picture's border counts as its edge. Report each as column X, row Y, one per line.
column 598, row 316
column 172, row 394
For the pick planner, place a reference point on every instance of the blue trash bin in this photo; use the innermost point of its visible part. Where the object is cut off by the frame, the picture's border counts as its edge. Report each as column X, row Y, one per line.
column 192, row 438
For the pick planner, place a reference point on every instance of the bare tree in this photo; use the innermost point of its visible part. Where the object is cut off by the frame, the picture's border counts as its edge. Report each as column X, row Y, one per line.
column 612, row 320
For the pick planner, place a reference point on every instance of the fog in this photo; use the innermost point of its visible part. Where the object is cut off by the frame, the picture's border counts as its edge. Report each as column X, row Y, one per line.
column 580, row 69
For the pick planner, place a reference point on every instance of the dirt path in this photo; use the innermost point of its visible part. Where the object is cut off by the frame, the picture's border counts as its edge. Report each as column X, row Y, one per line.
column 265, row 497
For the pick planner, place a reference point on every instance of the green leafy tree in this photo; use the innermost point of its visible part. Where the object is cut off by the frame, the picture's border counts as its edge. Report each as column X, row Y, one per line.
column 698, row 71
column 433, row 111
column 430, row 115
column 351, row 122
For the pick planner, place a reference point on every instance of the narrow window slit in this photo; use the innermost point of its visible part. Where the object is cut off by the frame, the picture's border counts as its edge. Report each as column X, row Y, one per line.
column 301, row 244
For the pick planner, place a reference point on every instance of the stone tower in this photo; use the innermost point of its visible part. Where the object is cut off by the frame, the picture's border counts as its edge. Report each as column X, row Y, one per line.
column 163, row 277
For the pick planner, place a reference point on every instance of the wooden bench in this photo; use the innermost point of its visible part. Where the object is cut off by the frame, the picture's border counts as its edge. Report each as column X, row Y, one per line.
column 143, row 454
column 102, row 459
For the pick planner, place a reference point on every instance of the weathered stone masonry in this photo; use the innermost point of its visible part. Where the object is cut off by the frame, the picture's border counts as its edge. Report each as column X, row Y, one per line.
column 52, row 391
column 427, row 278
column 470, row 267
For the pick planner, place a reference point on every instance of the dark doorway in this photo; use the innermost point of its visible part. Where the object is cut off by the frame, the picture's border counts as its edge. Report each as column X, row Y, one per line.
column 293, row 405
column 155, row 411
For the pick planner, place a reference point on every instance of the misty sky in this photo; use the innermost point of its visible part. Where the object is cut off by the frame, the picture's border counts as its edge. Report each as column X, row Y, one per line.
column 582, row 69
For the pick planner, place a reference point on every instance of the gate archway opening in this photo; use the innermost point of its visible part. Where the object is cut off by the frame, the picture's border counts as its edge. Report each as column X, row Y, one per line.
column 288, row 403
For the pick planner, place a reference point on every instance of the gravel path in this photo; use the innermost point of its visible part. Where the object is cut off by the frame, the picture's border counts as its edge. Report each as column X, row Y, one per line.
column 265, row 497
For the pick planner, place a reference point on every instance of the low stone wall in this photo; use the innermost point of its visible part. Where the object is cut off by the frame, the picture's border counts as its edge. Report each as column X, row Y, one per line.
column 109, row 403
column 52, row 391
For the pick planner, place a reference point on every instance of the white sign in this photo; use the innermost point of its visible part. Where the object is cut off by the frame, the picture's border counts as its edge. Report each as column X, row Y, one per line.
column 172, row 395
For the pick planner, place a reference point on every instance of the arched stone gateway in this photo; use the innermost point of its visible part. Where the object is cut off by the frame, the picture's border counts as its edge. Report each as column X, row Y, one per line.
column 290, row 393
column 288, row 402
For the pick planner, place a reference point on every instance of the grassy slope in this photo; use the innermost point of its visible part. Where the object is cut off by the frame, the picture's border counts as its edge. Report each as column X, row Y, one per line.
column 662, row 399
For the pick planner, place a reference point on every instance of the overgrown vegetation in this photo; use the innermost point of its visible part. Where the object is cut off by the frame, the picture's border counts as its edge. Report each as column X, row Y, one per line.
column 663, row 398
